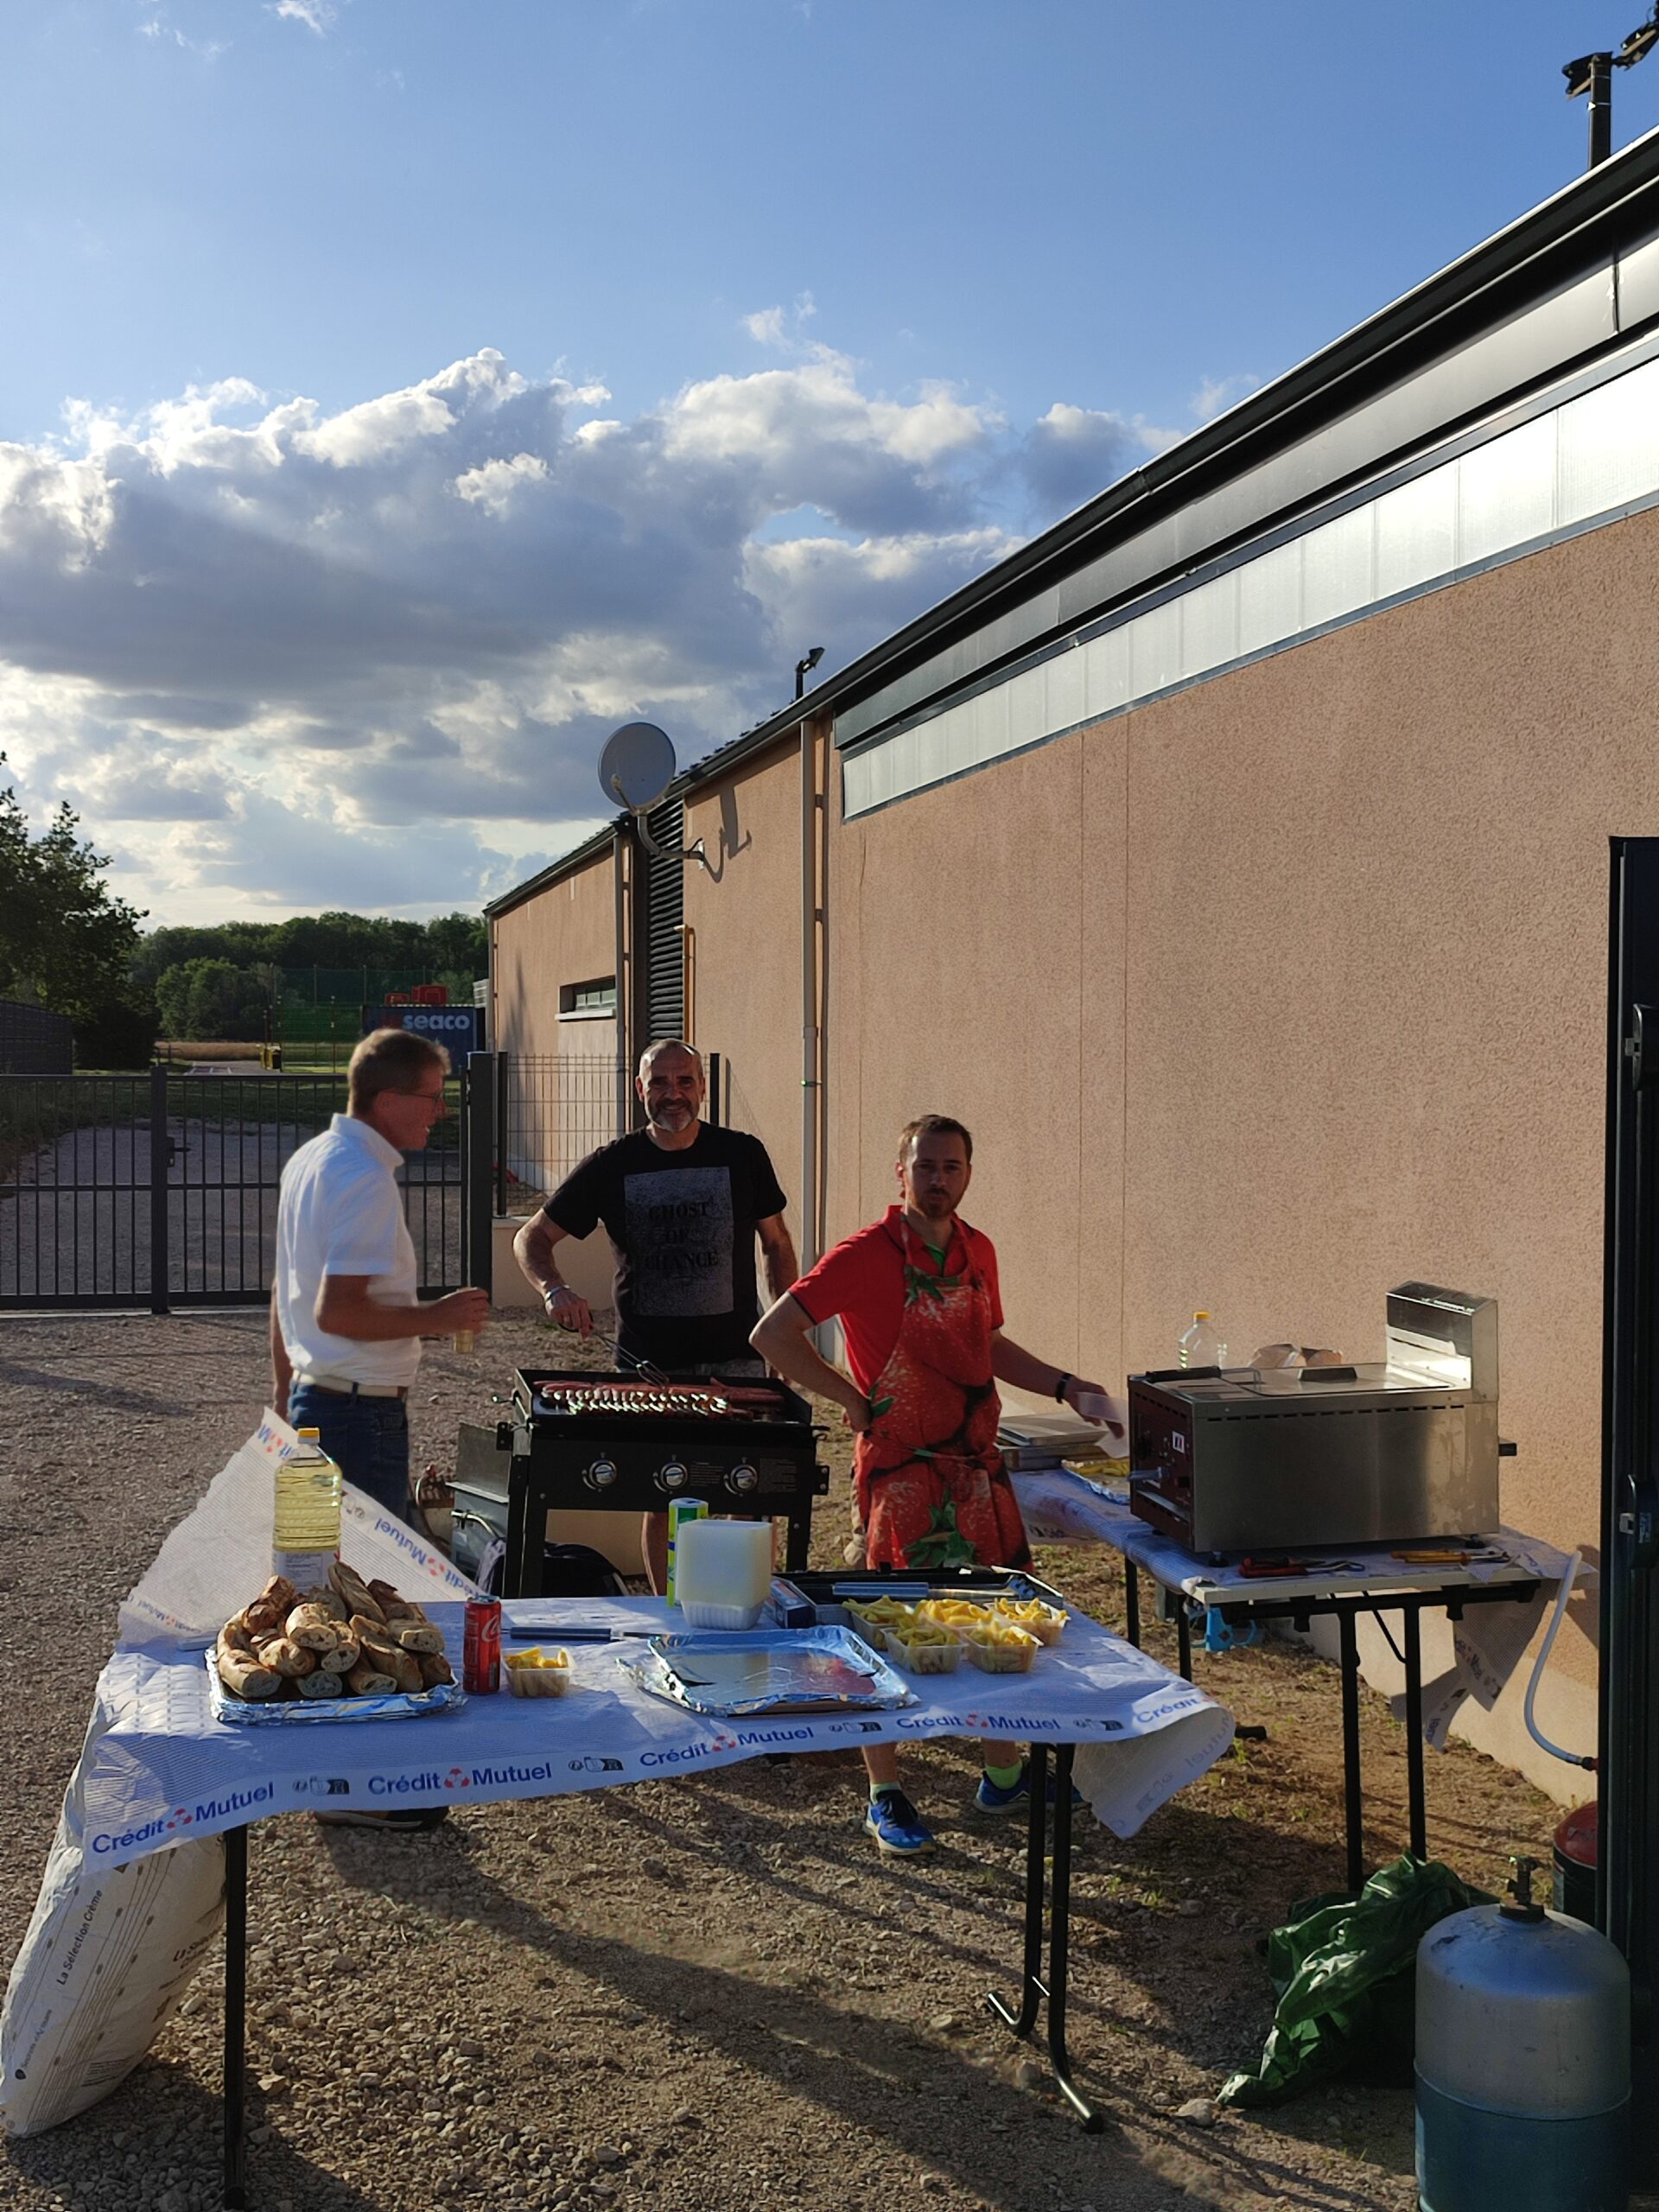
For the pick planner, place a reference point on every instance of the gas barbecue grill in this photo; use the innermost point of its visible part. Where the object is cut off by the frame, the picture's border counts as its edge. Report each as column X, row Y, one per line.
column 587, row 1441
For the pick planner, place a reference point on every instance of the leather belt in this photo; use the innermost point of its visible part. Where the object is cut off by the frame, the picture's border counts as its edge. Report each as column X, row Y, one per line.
column 336, row 1386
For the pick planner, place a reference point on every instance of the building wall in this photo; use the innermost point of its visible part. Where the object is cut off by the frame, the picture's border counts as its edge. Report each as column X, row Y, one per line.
column 565, row 935
column 1283, row 989
column 745, row 915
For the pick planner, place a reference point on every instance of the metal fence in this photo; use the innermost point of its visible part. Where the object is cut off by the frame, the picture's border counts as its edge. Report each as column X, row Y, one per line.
column 34, row 1042
column 552, row 1110
column 160, row 1190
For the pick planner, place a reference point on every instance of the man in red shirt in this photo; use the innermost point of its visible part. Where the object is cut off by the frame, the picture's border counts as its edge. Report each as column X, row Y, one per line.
column 922, row 1317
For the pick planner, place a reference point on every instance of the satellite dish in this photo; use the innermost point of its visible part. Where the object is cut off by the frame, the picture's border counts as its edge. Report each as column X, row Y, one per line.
column 637, row 765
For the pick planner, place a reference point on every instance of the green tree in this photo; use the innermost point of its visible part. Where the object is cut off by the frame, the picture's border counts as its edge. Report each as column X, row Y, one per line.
column 458, row 945
column 65, row 942
column 202, row 1000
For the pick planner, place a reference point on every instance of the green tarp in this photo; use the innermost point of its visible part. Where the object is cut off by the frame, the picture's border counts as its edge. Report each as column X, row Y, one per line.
column 1343, row 1971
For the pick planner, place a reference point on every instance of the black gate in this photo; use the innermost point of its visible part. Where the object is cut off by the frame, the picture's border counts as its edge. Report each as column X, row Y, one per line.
column 160, row 1190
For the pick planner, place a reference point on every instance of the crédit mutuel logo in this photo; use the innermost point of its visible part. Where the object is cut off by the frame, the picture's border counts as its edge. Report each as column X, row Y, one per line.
column 210, row 1811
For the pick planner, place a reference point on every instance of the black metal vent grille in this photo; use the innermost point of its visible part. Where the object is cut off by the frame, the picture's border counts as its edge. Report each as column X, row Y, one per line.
column 665, row 912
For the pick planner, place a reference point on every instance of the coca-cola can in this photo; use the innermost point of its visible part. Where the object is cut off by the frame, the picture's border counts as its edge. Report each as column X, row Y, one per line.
column 480, row 1656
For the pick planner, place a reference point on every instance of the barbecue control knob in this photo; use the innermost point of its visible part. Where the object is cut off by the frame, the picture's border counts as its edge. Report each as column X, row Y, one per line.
column 743, row 1478
column 672, row 1476
column 601, row 1475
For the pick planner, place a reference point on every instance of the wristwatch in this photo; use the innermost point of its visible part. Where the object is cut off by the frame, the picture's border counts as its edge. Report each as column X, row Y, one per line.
column 559, row 1290
column 1062, row 1387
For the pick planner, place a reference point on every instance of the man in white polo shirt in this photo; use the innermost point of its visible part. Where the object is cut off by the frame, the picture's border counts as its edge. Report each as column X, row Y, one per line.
column 345, row 1324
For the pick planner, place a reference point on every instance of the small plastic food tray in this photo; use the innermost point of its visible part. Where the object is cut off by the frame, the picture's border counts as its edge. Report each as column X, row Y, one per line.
column 290, row 1711
column 535, row 1673
column 783, row 1670
column 924, row 1658
column 1012, row 1655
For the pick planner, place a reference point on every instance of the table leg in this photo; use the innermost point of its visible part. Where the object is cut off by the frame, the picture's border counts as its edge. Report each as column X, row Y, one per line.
column 521, row 1570
column 1031, row 1986
column 236, row 1999
column 1350, row 1784
column 1183, row 1639
column 1059, row 1944
column 798, row 1543
column 1132, row 1602
column 1411, row 1630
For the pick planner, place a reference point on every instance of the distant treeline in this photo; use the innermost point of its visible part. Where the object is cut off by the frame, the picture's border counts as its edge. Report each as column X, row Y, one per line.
column 458, row 941
column 295, row 980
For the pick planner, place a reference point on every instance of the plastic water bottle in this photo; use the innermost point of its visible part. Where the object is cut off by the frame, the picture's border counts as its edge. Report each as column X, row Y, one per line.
column 305, row 1516
column 1201, row 1345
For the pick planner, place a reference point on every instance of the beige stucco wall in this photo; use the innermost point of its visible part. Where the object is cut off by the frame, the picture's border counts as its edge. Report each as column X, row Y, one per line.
column 745, row 914
column 1274, row 993
column 565, row 935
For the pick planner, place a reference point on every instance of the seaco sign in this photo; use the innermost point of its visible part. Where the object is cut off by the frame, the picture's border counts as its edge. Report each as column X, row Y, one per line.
column 459, row 1029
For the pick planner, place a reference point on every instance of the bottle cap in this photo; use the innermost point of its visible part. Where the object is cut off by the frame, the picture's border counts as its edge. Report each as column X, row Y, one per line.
column 313, row 1432
column 1202, row 1315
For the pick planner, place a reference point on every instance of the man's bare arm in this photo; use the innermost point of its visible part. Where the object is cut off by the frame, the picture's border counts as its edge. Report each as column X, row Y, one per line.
column 780, row 1337
column 282, row 1368
column 777, row 1253
column 533, row 1249
column 1014, row 1364
column 344, row 1308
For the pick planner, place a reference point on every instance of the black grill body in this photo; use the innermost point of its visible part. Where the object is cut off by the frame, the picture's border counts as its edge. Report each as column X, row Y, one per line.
column 629, row 1448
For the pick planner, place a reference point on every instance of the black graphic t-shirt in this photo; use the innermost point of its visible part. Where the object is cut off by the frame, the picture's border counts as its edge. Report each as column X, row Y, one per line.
column 682, row 1227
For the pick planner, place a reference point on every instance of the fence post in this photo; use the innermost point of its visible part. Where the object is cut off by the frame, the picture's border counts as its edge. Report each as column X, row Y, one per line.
column 501, row 1132
column 478, row 1171
column 159, row 1149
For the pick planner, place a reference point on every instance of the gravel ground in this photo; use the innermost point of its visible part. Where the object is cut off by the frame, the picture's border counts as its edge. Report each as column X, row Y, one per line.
column 706, row 1992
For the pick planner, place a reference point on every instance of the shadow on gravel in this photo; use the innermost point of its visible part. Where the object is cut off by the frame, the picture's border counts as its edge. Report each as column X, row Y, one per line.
column 156, row 2143
column 119, row 1400
column 903, row 2083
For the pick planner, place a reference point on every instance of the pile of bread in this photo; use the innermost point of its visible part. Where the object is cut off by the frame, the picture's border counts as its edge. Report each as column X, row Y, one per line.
column 347, row 1638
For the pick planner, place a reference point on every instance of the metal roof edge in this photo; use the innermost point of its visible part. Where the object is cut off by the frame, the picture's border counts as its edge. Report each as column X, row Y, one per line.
column 578, row 856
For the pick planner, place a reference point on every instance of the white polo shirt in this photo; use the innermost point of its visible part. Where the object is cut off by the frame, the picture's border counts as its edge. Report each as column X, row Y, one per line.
column 340, row 1212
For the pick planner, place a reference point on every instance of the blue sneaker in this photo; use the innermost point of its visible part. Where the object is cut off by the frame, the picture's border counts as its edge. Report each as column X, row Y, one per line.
column 898, row 1829
column 991, row 1797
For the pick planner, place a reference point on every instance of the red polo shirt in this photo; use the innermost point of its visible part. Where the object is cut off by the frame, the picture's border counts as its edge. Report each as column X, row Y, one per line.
column 861, row 1281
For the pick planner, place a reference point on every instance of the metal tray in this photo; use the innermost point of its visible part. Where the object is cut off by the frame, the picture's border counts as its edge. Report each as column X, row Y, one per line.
column 265, row 1712
column 737, row 1674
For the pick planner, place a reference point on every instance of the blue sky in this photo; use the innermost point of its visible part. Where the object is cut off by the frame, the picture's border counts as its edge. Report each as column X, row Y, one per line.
column 401, row 391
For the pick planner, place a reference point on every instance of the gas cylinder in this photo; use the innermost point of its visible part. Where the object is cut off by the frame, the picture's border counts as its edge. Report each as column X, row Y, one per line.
column 1523, row 2062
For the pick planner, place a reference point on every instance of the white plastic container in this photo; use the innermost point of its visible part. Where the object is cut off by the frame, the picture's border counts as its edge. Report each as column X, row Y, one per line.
column 722, row 1572
column 1202, row 1345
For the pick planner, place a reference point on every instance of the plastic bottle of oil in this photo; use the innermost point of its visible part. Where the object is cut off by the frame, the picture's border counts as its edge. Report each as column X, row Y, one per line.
column 1201, row 1345
column 305, row 1516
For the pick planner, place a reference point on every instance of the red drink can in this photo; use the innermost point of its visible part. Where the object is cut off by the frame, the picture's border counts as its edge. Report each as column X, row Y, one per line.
column 480, row 1657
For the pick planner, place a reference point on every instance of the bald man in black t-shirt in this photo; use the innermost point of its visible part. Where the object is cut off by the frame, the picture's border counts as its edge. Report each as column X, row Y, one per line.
column 682, row 1204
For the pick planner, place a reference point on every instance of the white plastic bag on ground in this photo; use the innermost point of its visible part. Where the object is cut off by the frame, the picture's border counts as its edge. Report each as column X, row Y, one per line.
column 108, row 1955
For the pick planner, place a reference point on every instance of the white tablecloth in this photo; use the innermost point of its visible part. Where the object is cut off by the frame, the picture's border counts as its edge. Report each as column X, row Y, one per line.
column 158, row 1766
column 1487, row 1643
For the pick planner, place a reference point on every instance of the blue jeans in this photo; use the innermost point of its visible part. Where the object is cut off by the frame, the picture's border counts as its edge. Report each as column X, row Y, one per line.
column 367, row 1438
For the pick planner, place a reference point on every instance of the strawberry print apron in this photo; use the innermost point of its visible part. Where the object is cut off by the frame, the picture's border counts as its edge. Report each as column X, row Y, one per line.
column 929, row 1481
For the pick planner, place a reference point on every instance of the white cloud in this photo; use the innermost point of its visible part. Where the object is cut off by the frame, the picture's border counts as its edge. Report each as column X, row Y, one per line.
column 1216, row 394
column 492, row 483
column 318, row 16
column 782, row 329
column 369, row 656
